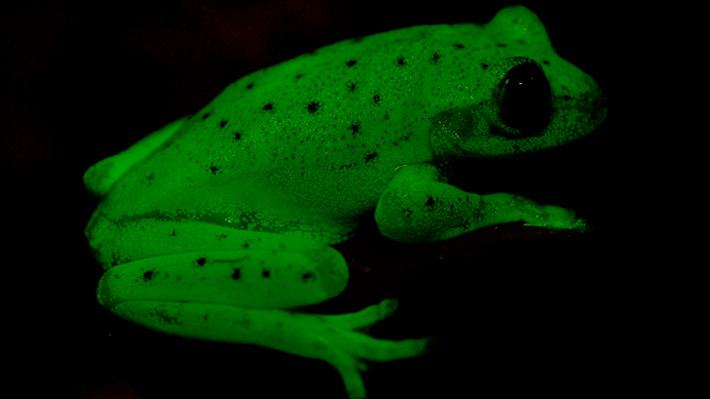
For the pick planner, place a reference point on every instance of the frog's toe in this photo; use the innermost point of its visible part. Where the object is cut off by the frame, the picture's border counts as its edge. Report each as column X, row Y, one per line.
column 348, row 351
column 363, row 346
column 364, row 318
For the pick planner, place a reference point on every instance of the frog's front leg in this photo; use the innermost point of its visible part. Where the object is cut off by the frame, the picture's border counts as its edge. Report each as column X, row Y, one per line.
column 236, row 296
column 419, row 206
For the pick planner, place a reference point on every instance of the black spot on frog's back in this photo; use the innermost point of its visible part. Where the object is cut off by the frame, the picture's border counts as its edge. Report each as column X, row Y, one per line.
column 355, row 128
column 148, row 275
column 313, row 107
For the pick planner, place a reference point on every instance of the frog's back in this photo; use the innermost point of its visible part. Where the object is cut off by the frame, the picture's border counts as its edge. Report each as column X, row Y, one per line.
column 319, row 108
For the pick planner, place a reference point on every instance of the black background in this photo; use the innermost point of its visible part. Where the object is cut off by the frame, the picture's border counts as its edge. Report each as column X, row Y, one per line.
column 515, row 310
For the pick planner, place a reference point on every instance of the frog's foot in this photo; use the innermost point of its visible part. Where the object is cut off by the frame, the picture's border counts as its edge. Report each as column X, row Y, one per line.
column 347, row 349
column 327, row 337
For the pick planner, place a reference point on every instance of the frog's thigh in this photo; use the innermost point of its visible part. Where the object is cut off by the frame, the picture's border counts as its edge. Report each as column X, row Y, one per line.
column 245, row 277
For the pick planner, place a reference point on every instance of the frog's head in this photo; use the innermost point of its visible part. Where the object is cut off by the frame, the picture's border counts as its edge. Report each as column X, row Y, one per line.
column 527, row 98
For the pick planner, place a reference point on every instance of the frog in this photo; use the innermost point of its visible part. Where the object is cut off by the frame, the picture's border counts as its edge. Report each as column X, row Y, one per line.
column 220, row 226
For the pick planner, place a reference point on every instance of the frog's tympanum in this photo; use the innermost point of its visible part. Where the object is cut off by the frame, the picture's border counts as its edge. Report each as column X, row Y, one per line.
column 215, row 225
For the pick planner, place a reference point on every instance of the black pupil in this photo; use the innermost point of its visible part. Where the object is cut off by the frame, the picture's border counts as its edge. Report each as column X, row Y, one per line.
column 526, row 99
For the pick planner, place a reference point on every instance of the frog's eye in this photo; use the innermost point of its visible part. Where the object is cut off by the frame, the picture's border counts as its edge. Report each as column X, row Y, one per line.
column 524, row 99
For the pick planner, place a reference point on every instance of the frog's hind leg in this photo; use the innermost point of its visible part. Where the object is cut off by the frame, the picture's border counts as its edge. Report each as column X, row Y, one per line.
column 238, row 296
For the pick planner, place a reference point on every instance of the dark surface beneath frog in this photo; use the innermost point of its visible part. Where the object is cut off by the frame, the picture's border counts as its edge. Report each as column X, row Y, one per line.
column 512, row 310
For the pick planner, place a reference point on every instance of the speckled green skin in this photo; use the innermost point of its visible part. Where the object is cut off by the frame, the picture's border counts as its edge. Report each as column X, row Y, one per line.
column 290, row 158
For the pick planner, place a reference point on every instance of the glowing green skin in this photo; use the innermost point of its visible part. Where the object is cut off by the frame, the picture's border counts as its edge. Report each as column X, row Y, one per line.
column 220, row 219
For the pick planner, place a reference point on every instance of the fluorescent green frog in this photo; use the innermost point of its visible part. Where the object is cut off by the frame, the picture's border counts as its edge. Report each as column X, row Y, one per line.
column 215, row 225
